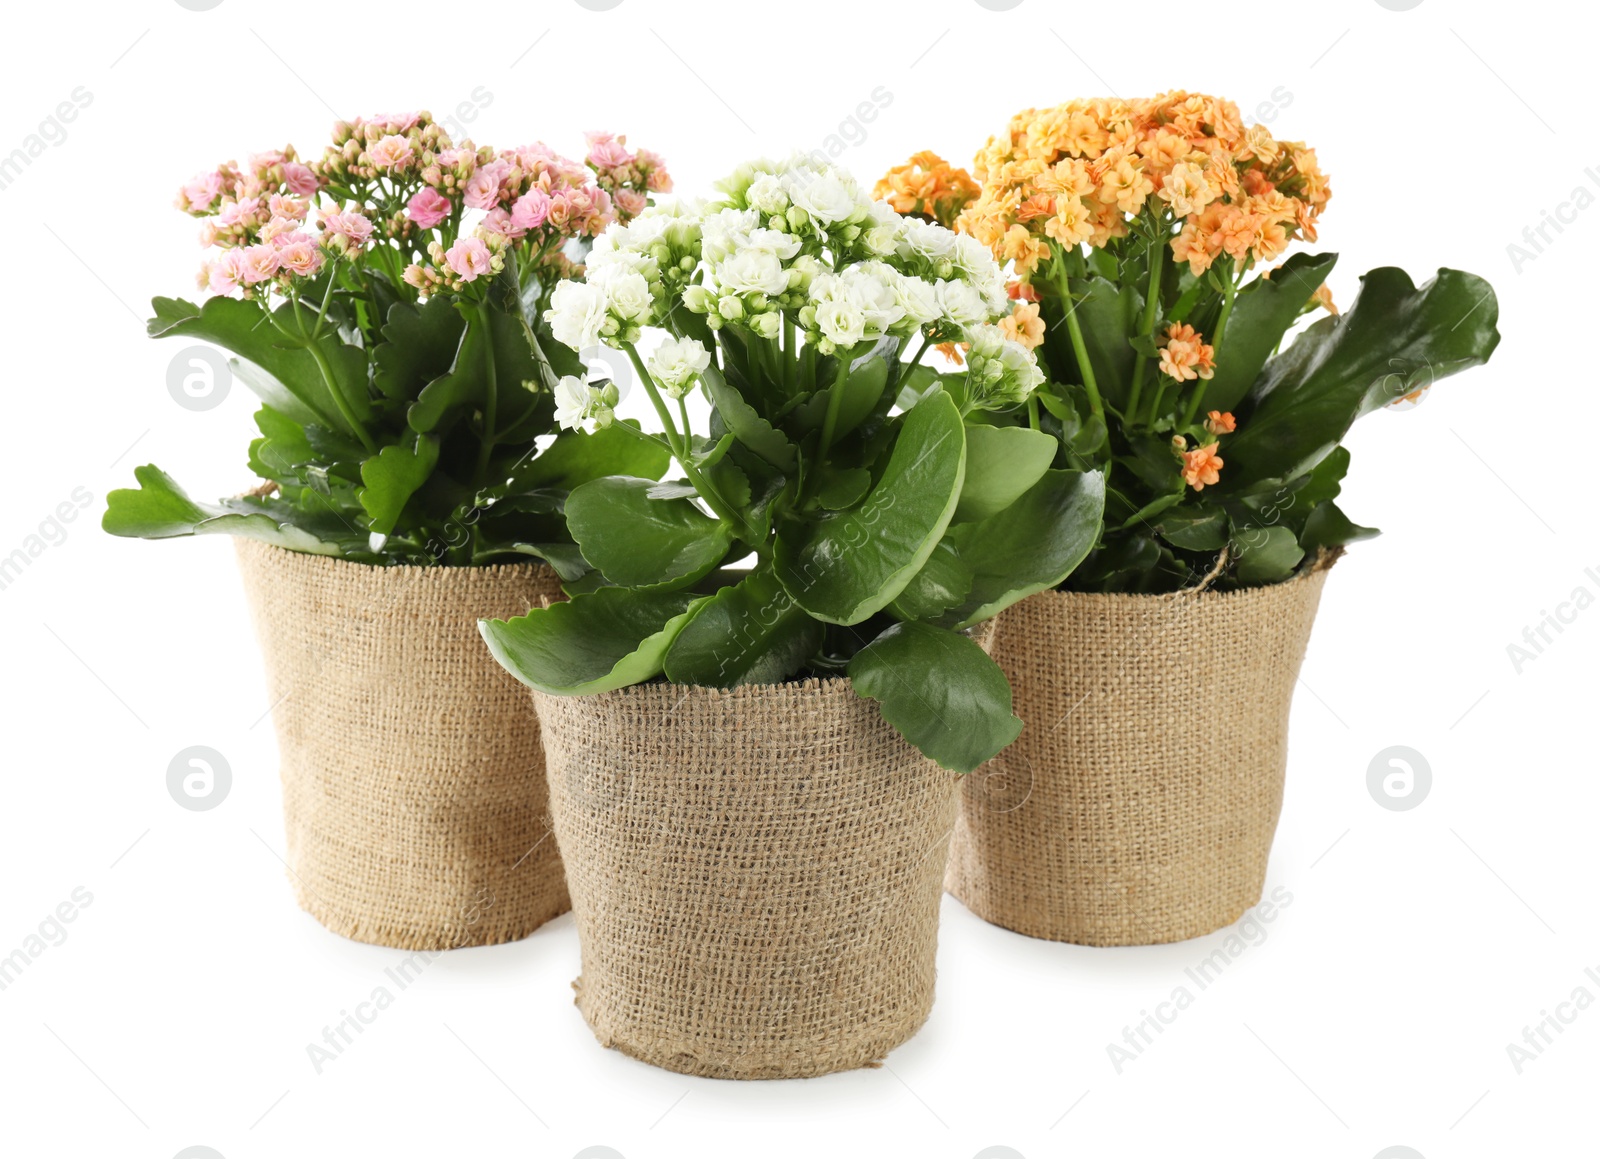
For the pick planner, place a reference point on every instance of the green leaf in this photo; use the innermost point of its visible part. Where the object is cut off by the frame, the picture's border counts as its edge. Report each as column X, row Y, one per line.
column 746, row 424
column 845, row 565
column 640, row 542
column 607, row 639
column 943, row 582
column 844, row 488
column 1108, row 315
column 748, row 633
column 419, row 345
column 1002, row 464
column 283, row 447
column 1262, row 313
column 1195, row 528
column 455, row 390
column 244, row 328
column 160, row 509
column 574, row 458
column 858, row 397
column 1030, row 546
column 1395, row 339
column 1266, row 554
column 392, row 476
column 940, row 691
column 1327, row 526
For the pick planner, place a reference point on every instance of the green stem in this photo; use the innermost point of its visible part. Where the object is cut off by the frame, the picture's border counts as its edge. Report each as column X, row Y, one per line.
column 338, row 399
column 831, row 419
column 1033, row 412
column 491, row 400
column 1079, row 350
column 1152, row 300
column 907, row 367
column 667, row 426
column 1228, row 295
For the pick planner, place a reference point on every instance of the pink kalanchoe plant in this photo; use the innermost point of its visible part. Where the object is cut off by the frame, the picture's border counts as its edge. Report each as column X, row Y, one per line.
column 389, row 296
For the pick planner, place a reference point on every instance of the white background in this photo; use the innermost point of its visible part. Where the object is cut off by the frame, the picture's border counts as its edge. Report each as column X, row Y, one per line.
column 1377, row 1012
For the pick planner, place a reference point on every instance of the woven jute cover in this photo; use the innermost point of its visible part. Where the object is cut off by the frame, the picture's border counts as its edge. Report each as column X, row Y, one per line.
column 1139, row 804
column 755, row 874
column 414, row 796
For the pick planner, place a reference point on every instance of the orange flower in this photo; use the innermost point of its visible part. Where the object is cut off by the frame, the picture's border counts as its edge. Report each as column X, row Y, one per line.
column 927, row 186
column 1024, row 325
column 1185, row 357
column 1021, row 292
column 1220, row 422
column 954, row 351
column 1200, row 466
column 1324, row 298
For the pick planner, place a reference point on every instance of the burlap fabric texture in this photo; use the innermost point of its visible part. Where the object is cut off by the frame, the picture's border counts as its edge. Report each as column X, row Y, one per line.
column 1140, row 802
column 755, row 873
column 414, row 797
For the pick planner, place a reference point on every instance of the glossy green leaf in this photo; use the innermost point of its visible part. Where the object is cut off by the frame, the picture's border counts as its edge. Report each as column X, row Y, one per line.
column 160, row 509
column 1029, row 547
column 845, row 565
column 458, row 388
column 608, row 639
column 1395, row 339
column 419, row 345
column 1327, row 526
column 574, row 458
column 746, row 423
column 1266, row 555
column 940, row 691
column 748, row 633
column 1002, row 464
column 392, row 476
column 243, row 328
column 1194, row 528
column 640, row 542
column 1262, row 313
column 943, row 582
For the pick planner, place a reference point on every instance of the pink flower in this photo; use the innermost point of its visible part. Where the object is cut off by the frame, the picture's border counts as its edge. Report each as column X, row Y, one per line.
column 280, row 206
column 299, row 179
column 208, row 235
column 258, row 263
column 630, row 202
column 302, row 257
column 394, row 122
column 609, row 154
column 238, row 212
column 200, row 191
column 469, row 258
column 428, row 207
column 660, row 181
column 280, row 231
column 350, row 225
column 260, row 162
column 391, row 152
column 502, row 223
column 531, row 209
column 483, row 187
column 226, row 274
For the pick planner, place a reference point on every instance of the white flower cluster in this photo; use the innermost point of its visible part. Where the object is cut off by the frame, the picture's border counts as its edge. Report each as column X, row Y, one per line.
column 577, row 403
column 1000, row 373
column 677, row 363
column 800, row 240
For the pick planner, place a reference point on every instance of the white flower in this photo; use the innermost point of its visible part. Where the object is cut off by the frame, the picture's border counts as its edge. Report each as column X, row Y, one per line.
column 629, row 295
column 841, row 322
column 962, row 303
column 677, row 362
column 574, row 401
column 766, row 195
column 773, row 241
column 826, row 196
column 576, row 314
column 752, row 271
column 927, row 240
column 871, row 287
column 917, row 298
column 726, row 232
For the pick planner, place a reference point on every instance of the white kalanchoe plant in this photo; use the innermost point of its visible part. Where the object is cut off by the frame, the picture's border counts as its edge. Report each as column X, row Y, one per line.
column 888, row 507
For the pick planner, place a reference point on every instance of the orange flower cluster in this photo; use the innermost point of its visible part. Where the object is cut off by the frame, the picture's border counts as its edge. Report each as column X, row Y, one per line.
column 927, row 186
column 1185, row 357
column 1201, row 466
column 1078, row 172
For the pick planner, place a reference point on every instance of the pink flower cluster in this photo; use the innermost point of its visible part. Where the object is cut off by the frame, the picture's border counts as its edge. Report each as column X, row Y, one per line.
column 388, row 182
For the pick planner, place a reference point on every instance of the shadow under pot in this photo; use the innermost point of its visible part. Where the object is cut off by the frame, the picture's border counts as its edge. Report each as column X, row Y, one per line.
column 755, row 874
column 1140, row 802
column 415, row 808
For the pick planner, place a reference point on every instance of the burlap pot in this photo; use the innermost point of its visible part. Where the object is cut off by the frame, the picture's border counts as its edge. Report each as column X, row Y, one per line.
column 755, row 874
column 1139, row 804
column 414, row 795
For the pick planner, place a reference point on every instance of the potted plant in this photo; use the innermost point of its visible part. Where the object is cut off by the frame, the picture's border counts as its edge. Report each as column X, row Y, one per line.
column 755, row 850
column 384, row 301
column 1140, row 804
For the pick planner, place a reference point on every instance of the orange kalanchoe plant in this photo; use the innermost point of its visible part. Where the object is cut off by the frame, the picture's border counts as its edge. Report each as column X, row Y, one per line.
column 1142, row 236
